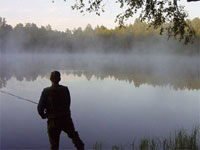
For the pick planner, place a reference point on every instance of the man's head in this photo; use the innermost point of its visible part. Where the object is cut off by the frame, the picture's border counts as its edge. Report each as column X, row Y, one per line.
column 55, row 77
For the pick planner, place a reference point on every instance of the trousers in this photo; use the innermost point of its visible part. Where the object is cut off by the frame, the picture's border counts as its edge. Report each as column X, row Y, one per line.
column 56, row 125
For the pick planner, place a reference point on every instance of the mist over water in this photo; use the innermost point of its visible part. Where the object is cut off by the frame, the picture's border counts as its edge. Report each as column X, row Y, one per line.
column 116, row 98
column 161, row 69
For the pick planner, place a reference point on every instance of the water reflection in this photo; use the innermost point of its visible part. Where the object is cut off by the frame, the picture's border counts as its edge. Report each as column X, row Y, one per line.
column 180, row 72
column 109, row 111
column 105, row 106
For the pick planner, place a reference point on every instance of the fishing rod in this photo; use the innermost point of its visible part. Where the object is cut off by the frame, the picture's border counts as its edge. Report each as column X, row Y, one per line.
column 24, row 99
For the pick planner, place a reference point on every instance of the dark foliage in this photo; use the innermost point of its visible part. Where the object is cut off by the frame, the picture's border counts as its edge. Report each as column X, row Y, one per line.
column 156, row 13
column 138, row 37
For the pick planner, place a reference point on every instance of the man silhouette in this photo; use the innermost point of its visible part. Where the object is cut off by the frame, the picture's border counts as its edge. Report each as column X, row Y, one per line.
column 54, row 104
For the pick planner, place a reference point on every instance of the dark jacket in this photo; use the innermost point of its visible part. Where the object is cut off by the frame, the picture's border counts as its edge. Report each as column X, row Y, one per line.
column 54, row 102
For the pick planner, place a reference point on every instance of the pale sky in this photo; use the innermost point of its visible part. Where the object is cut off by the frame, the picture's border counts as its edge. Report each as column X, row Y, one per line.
column 60, row 15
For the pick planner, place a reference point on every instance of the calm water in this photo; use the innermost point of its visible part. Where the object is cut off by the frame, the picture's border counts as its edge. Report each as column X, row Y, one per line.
column 115, row 98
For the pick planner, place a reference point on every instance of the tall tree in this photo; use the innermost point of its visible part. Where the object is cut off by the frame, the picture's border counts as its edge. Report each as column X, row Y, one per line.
column 155, row 12
column 2, row 22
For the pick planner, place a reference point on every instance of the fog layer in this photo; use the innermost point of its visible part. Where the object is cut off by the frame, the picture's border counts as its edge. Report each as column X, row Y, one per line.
column 176, row 71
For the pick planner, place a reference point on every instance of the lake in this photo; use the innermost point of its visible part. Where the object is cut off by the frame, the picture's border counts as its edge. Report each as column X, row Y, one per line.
column 115, row 99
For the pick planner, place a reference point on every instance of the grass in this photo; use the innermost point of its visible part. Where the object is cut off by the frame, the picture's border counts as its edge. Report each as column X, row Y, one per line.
column 181, row 140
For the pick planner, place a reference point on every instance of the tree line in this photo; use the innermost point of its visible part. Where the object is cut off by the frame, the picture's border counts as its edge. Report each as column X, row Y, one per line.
column 137, row 37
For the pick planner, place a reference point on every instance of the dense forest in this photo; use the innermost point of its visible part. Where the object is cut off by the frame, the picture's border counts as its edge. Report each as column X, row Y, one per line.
column 137, row 37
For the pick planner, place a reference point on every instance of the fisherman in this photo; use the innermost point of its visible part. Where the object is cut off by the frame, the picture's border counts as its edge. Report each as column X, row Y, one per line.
column 54, row 105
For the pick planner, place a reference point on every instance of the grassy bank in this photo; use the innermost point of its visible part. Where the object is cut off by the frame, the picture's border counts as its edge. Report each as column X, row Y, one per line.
column 181, row 140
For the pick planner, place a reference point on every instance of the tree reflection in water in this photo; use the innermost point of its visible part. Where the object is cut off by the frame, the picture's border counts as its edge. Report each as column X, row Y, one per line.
column 180, row 72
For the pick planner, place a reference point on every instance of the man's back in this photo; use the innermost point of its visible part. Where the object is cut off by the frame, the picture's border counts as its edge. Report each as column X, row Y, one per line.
column 57, row 101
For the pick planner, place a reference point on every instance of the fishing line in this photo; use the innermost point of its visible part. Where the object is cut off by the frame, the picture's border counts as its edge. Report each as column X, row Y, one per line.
column 24, row 99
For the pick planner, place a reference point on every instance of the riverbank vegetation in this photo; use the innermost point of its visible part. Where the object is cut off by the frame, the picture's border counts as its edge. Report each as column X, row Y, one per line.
column 137, row 37
column 181, row 140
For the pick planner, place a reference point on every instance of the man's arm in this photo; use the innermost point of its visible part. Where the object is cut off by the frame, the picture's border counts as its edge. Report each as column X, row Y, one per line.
column 42, row 106
column 68, row 98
